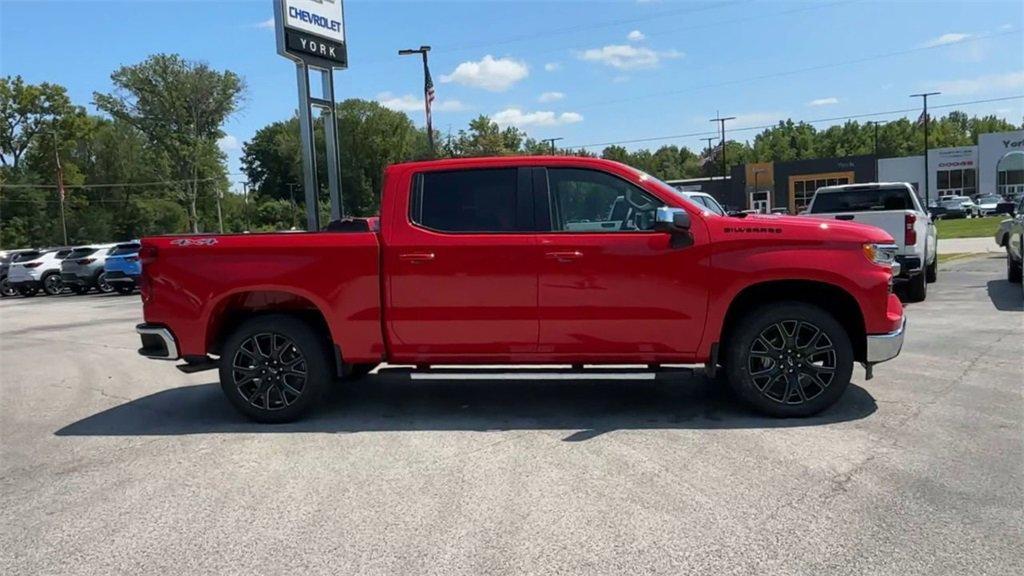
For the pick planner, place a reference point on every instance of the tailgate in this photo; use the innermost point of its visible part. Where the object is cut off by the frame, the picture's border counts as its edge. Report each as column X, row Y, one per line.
column 892, row 221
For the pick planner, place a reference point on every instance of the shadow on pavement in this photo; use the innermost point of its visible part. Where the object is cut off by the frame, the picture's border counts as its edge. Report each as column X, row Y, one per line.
column 1005, row 296
column 588, row 408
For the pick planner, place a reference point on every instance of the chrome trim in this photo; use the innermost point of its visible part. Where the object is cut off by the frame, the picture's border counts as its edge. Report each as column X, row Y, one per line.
column 882, row 347
column 165, row 335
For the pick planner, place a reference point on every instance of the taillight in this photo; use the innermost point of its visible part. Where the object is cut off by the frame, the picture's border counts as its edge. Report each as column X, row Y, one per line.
column 909, row 234
column 85, row 261
column 33, row 265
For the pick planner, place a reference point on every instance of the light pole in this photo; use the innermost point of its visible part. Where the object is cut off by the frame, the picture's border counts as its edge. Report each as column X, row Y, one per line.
column 551, row 142
column 428, row 89
column 721, row 127
column 924, row 97
column 60, row 188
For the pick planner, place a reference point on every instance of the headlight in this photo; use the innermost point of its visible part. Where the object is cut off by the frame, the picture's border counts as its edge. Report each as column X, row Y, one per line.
column 881, row 254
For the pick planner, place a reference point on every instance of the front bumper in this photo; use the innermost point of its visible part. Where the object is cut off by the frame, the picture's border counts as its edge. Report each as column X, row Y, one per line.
column 882, row 347
column 157, row 342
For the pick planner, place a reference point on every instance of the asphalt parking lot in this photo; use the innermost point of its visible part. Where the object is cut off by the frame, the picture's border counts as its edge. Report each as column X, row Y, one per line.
column 113, row 464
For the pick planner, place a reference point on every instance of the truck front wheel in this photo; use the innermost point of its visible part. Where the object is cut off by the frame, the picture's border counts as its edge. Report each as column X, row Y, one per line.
column 789, row 359
column 273, row 368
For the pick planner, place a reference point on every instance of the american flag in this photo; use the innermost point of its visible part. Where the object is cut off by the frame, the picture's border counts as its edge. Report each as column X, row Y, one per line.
column 60, row 175
column 428, row 90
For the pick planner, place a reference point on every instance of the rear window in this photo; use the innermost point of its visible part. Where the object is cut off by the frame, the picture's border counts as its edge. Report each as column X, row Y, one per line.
column 81, row 252
column 867, row 200
column 26, row 256
column 122, row 249
column 466, row 201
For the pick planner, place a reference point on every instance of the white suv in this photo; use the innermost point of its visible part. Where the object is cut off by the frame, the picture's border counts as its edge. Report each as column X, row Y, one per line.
column 37, row 270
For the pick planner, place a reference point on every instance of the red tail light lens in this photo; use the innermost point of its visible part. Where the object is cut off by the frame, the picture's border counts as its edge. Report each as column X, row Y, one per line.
column 85, row 261
column 910, row 235
column 33, row 265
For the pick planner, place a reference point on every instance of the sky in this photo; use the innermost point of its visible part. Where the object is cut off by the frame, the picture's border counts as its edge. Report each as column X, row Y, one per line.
column 641, row 73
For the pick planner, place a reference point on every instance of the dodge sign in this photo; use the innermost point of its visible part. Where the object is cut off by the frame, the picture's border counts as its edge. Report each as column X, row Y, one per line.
column 312, row 31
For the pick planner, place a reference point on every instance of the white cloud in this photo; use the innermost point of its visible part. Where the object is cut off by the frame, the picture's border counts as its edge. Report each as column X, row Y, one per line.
column 635, row 36
column 626, row 57
column 550, row 97
column 518, row 118
column 552, row 67
column 824, row 101
column 410, row 103
column 982, row 84
column 229, row 144
column 265, row 25
column 947, row 38
column 494, row 74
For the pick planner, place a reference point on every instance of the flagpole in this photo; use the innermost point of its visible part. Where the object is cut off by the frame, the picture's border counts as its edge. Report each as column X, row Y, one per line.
column 428, row 89
column 927, row 193
column 60, row 189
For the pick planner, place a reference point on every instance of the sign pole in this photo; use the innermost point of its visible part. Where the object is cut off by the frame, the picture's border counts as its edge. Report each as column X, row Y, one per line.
column 308, row 157
column 333, row 146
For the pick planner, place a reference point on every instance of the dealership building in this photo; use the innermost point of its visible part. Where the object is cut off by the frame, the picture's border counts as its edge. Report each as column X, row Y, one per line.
column 994, row 166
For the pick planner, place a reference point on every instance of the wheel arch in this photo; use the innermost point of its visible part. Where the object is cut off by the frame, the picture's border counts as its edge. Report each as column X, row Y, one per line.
column 829, row 297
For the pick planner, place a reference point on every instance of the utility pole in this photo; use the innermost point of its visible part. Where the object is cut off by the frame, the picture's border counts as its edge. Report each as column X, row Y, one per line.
column 551, row 142
column 924, row 97
column 428, row 90
column 721, row 128
column 709, row 140
column 60, row 188
column 291, row 192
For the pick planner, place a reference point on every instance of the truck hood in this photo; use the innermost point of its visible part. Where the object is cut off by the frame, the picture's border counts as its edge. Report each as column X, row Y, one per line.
column 771, row 226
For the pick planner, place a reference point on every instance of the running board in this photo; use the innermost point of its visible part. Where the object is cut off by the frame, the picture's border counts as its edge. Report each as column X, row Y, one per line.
column 655, row 373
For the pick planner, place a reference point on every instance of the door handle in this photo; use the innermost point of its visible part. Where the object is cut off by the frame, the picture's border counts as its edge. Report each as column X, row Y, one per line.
column 564, row 256
column 416, row 257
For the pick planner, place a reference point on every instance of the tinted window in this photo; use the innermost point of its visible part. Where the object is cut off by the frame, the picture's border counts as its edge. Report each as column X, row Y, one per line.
column 863, row 200
column 26, row 256
column 81, row 252
column 466, row 201
column 592, row 201
column 122, row 249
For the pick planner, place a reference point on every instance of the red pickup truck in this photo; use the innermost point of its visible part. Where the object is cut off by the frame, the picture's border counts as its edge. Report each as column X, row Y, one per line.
column 526, row 261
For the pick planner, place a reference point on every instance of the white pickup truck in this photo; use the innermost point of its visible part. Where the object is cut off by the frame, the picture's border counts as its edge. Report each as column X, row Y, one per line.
column 893, row 207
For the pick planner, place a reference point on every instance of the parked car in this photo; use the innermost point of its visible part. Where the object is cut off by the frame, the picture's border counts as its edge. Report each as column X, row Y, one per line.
column 1014, row 243
column 893, row 207
column 1002, row 235
column 6, row 257
column 35, row 270
column 476, row 261
column 705, row 201
column 82, row 270
column 964, row 202
column 122, row 267
column 986, row 205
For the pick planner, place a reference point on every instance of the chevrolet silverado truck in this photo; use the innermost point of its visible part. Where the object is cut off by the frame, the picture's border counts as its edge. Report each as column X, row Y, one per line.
column 522, row 261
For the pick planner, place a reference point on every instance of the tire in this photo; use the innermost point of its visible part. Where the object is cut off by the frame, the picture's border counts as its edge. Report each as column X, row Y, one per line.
column 759, row 362
column 917, row 288
column 1014, row 270
column 275, row 347
column 932, row 271
column 102, row 285
column 52, row 284
column 6, row 290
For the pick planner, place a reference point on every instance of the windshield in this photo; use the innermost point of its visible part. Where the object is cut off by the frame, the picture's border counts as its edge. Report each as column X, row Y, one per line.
column 867, row 200
column 26, row 256
column 990, row 200
column 122, row 249
column 81, row 252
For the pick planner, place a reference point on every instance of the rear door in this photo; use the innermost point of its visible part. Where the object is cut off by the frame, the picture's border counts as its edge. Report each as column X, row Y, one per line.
column 614, row 294
column 461, row 268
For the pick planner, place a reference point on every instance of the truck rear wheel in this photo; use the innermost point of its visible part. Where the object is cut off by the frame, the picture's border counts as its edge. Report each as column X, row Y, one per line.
column 1014, row 270
column 789, row 359
column 273, row 368
column 916, row 289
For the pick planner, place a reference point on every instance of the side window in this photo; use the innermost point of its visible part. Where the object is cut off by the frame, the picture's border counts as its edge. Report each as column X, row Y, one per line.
column 466, row 200
column 592, row 201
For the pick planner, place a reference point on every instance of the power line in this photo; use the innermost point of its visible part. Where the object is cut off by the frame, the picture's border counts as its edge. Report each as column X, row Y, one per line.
column 816, row 121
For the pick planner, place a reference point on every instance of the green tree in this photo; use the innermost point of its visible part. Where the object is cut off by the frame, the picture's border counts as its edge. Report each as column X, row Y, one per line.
column 31, row 111
column 180, row 106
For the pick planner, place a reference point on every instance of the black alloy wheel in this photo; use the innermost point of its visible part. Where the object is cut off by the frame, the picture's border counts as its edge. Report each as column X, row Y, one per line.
column 792, row 362
column 102, row 285
column 269, row 371
column 6, row 289
column 53, row 285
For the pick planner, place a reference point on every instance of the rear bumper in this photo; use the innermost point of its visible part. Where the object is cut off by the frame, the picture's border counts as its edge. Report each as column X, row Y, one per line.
column 118, row 277
column 17, row 284
column 882, row 347
column 157, row 342
column 909, row 266
column 70, row 278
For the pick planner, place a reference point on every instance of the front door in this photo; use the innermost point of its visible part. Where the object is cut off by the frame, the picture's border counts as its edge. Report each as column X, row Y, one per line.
column 462, row 274
column 611, row 289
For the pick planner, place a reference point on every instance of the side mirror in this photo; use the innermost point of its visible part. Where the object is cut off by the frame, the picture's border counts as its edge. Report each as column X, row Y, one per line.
column 671, row 219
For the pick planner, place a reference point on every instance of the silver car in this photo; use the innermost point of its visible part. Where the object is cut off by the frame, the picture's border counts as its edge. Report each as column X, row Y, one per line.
column 82, row 270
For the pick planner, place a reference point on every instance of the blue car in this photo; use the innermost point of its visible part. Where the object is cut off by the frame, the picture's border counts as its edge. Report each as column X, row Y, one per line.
column 123, row 267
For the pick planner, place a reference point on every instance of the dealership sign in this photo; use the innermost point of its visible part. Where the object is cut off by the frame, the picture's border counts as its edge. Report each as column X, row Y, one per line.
column 311, row 31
